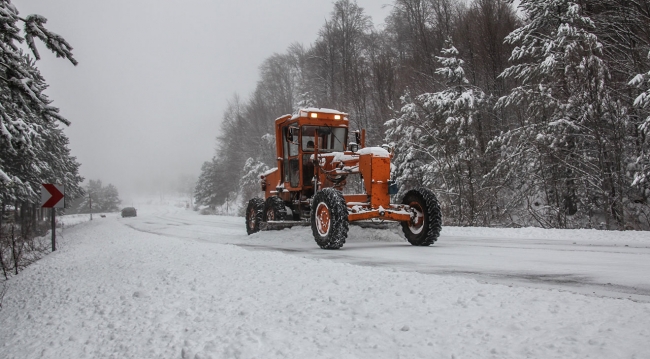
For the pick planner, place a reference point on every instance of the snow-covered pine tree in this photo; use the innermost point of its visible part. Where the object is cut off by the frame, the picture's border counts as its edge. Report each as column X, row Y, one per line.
column 642, row 101
column 28, row 122
column 249, row 183
column 206, row 191
column 435, row 140
column 61, row 166
column 564, row 148
column 102, row 198
column 111, row 198
column 90, row 201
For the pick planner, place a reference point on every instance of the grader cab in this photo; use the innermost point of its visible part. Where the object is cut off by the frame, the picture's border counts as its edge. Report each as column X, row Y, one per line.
column 308, row 186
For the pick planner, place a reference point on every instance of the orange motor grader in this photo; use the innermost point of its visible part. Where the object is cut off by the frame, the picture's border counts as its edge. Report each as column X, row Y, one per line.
column 307, row 187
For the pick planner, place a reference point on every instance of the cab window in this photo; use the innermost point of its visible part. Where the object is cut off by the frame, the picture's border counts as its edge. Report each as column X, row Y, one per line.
column 330, row 139
column 292, row 142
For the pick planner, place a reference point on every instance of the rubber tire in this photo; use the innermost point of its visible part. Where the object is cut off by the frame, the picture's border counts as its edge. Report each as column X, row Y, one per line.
column 274, row 205
column 338, row 222
column 427, row 201
column 254, row 213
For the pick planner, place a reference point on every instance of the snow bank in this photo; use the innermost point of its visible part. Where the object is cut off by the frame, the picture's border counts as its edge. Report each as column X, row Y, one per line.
column 111, row 291
column 70, row 220
column 549, row 234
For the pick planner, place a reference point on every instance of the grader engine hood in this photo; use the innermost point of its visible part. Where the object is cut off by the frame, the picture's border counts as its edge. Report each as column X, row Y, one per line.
column 373, row 163
column 346, row 156
column 350, row 159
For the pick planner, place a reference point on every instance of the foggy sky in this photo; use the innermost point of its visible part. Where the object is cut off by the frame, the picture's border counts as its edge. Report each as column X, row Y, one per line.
column 154, row 76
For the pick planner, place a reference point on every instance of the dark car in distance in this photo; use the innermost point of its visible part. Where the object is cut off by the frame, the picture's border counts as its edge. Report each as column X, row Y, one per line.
column 129, row 212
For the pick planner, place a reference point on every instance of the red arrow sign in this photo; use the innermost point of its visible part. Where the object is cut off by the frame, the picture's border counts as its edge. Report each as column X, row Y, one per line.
column 51, row 196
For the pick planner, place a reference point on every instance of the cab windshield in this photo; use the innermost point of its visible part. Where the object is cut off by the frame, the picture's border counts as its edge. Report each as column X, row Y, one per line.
column 330, row 139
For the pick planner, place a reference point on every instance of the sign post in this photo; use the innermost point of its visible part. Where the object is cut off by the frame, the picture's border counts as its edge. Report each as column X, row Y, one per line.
column 53, row 229
column 52, row 196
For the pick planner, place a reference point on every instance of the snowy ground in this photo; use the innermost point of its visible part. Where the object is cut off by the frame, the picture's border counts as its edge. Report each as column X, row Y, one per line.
column 602, row 263
column 70, row 220
column 116, row 290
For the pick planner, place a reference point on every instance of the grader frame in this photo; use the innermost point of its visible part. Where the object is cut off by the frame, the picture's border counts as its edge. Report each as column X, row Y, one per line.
column 314, row 162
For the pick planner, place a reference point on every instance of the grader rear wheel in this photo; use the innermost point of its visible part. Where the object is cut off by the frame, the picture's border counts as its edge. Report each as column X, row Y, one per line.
column 274, row 209
column 329, row 219
column 254, row 213
column 426, row 220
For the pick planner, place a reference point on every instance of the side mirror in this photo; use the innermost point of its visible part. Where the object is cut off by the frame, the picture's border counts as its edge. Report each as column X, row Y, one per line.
column 293, row 134
column 357, row 137
column 353, row 146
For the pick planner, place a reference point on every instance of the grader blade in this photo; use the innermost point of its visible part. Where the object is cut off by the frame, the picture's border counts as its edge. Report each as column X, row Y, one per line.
column 278, row 225
column 375, row 225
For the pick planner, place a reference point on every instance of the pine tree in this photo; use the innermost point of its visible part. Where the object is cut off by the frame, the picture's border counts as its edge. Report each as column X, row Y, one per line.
column 250, row 181
column 98, row 198
column 206, row 191
column 111, row 199
column 33, row 149
column 567, row 140
column 642, row 173
column 437, row 144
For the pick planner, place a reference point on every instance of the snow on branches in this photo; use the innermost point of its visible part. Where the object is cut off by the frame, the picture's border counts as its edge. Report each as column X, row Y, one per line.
column 28, row 121
column 34, row 28
column 642, row 101
column 570, row 137
column 435, row 137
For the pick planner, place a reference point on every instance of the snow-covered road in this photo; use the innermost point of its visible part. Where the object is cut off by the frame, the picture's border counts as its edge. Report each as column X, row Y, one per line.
column 602, row 263
column 114, row 292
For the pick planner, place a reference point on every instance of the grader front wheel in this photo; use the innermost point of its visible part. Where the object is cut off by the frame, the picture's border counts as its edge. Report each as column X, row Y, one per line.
column 329, row 219
column 426, row 220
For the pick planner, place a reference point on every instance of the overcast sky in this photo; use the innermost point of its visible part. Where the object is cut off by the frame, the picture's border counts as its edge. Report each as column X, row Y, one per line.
column 154, row 76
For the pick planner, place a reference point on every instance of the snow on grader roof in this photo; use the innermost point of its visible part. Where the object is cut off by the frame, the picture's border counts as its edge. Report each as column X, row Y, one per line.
column 314, row 162
column 304, row 112
column 319, row 110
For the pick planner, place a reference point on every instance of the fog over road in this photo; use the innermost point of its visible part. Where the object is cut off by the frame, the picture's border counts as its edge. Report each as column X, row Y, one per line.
column 601, row 263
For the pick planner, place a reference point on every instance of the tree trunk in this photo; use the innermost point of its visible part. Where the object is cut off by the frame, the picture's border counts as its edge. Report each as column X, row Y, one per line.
column 2, row 262
column 14, row 254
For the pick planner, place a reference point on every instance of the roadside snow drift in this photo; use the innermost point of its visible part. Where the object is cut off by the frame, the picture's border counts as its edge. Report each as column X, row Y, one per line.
column 114, row 292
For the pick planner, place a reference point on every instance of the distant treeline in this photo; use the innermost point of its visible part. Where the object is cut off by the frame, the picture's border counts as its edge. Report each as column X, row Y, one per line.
column 514, row 117
column 98, row 199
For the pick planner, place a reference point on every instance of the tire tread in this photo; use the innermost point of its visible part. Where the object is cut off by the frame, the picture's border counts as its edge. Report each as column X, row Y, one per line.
column 339, row 218
column 432, row 220
column 258, row 205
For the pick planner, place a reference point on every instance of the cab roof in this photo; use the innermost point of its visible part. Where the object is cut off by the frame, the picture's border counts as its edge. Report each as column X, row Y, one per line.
column 313, row 112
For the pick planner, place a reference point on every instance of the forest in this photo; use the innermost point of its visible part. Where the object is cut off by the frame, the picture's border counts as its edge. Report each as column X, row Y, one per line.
column 534, row 113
